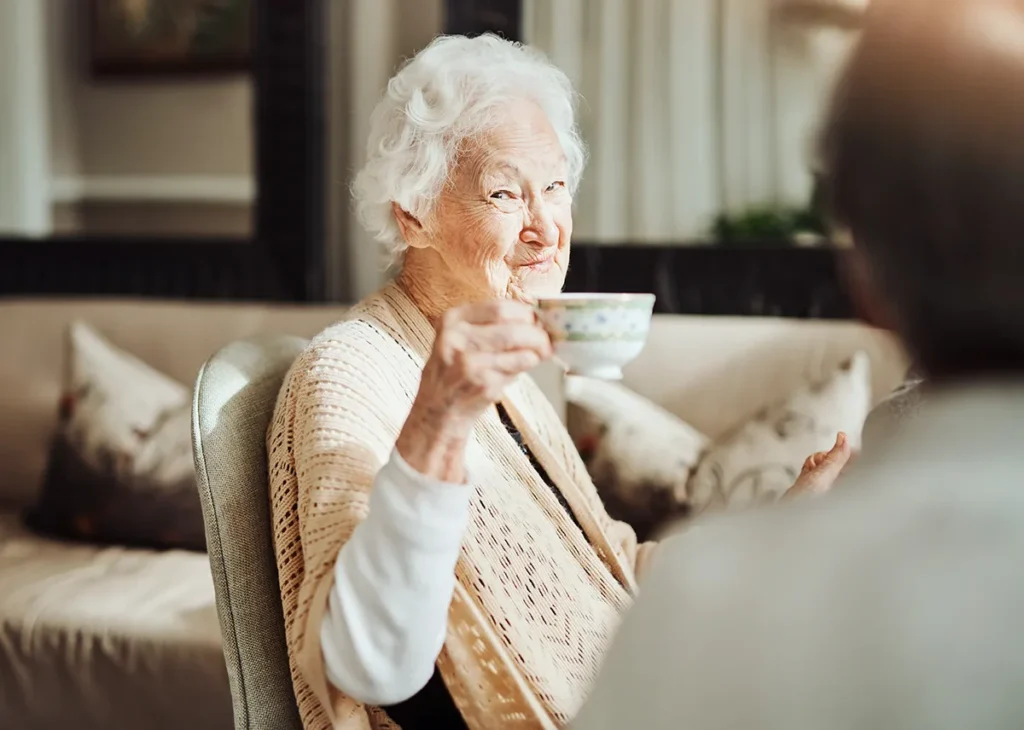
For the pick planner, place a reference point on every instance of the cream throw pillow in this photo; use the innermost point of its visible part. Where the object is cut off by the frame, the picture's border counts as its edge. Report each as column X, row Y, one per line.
column 120, row 468
column 761, row 460
column 639, row 455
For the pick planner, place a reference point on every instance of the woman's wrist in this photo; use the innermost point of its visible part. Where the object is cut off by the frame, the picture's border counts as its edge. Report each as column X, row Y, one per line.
column 433, row 443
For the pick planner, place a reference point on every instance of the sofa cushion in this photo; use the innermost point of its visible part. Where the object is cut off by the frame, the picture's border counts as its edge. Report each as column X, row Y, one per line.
column 639, row 455
column 714, row 371
column 118, row 639
column 762, row 460
column 174, row 337
column 120, row 466
column 718, row 372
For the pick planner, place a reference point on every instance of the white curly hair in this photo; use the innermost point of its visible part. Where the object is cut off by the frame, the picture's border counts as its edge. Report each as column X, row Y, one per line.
column 445, row 94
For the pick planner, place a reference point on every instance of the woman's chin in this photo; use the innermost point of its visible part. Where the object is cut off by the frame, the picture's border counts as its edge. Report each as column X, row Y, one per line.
column 530, row 293
column 530, row 286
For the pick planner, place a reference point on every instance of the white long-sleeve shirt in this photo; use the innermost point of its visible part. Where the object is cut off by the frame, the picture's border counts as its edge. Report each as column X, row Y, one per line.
column 387, row 612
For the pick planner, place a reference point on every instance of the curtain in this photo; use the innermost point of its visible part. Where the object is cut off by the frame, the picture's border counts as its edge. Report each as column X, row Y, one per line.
column 646, row 71
column 692, row 108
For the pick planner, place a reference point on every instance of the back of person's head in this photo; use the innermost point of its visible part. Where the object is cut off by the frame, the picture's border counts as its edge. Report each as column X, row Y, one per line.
column 923, row 153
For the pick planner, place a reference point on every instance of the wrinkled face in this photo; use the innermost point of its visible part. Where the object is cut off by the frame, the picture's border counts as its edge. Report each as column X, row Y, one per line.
column 501, row 228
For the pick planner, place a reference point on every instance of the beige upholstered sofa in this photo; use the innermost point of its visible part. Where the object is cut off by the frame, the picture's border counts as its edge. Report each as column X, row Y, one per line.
column 111, row 639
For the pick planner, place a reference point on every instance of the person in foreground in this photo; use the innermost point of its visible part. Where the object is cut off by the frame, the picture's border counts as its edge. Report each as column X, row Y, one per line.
column 444, row 559
column 896, row 600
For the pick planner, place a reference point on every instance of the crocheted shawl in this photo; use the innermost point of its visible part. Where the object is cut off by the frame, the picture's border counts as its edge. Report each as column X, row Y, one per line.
column 536, row 600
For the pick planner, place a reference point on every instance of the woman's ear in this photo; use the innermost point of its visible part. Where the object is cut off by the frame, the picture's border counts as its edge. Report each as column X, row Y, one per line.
column 410, row 227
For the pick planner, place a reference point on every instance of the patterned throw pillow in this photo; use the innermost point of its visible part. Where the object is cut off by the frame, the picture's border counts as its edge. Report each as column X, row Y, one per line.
column 639, row 455
column 761, row 460
column 120, row 468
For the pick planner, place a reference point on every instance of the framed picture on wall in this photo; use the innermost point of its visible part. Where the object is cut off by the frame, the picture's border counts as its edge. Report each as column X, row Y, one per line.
column 169, row 37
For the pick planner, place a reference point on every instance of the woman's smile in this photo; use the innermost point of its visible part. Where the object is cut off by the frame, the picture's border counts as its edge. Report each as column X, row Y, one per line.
column 540, row 264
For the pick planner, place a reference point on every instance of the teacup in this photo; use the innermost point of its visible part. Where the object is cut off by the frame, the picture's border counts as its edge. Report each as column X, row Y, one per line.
column 595, row 335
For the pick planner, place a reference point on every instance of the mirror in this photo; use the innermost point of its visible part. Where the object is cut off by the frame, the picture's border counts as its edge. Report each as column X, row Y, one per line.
column 130, row 118
column 700, row 115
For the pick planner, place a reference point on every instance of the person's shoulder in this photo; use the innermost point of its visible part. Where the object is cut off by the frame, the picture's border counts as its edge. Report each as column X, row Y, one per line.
column 715, row 551
column 351, row 332
column 737, row 531
column 353, row 381
column 761, row 549
column 353, row 346
column 353, row 370
column 873, row 528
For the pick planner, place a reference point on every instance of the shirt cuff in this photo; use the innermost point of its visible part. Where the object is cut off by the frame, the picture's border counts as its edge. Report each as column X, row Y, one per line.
column 426, row 512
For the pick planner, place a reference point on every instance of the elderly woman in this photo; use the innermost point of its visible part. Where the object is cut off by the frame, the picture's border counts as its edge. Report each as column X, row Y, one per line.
column 445, row 561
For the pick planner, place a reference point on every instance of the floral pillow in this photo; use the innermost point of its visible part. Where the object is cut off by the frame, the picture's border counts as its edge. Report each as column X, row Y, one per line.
column 762, row 459
column 120, row 468
column 639, row 455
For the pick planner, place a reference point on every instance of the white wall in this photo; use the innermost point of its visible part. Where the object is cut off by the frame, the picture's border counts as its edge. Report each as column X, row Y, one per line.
column 147, row 153
column 145, row 126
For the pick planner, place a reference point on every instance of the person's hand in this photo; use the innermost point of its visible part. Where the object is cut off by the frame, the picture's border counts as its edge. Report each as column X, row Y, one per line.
column 821, row 469
column 479, row 350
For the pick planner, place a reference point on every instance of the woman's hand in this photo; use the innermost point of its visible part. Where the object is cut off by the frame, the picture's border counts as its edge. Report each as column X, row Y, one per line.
column 479, row 350
column 821, row 469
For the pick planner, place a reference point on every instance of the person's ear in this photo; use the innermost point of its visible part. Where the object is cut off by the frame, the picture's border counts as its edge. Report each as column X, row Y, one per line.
column 410, row 227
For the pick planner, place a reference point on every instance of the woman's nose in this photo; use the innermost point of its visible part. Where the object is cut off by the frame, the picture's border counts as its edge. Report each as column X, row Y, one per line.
column 540, row 227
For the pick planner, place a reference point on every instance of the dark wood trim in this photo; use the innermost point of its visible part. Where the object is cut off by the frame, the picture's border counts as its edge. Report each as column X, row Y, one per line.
column 473, row 17
column 291, row 141
column 776, row 281
column 160, row 268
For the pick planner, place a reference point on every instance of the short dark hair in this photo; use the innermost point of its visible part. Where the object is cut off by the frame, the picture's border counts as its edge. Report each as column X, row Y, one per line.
column 923, row 159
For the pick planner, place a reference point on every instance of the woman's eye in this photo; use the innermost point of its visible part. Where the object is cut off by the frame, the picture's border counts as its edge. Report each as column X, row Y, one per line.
column 556, row 185
column 502, row 195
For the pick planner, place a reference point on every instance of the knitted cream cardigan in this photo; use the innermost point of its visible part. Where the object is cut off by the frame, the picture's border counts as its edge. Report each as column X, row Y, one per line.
column 535, row 601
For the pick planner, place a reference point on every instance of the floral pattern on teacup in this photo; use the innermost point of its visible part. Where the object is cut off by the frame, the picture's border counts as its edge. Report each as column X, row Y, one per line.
column 596, row 321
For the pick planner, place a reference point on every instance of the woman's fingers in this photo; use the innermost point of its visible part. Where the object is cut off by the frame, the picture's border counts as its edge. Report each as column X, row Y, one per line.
column 515, row 362
column 820, row 470
column 479, row 350
column 828, row 469
column 841, row 451
column 813, row 461
column 509, row 336
column 499, row 326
